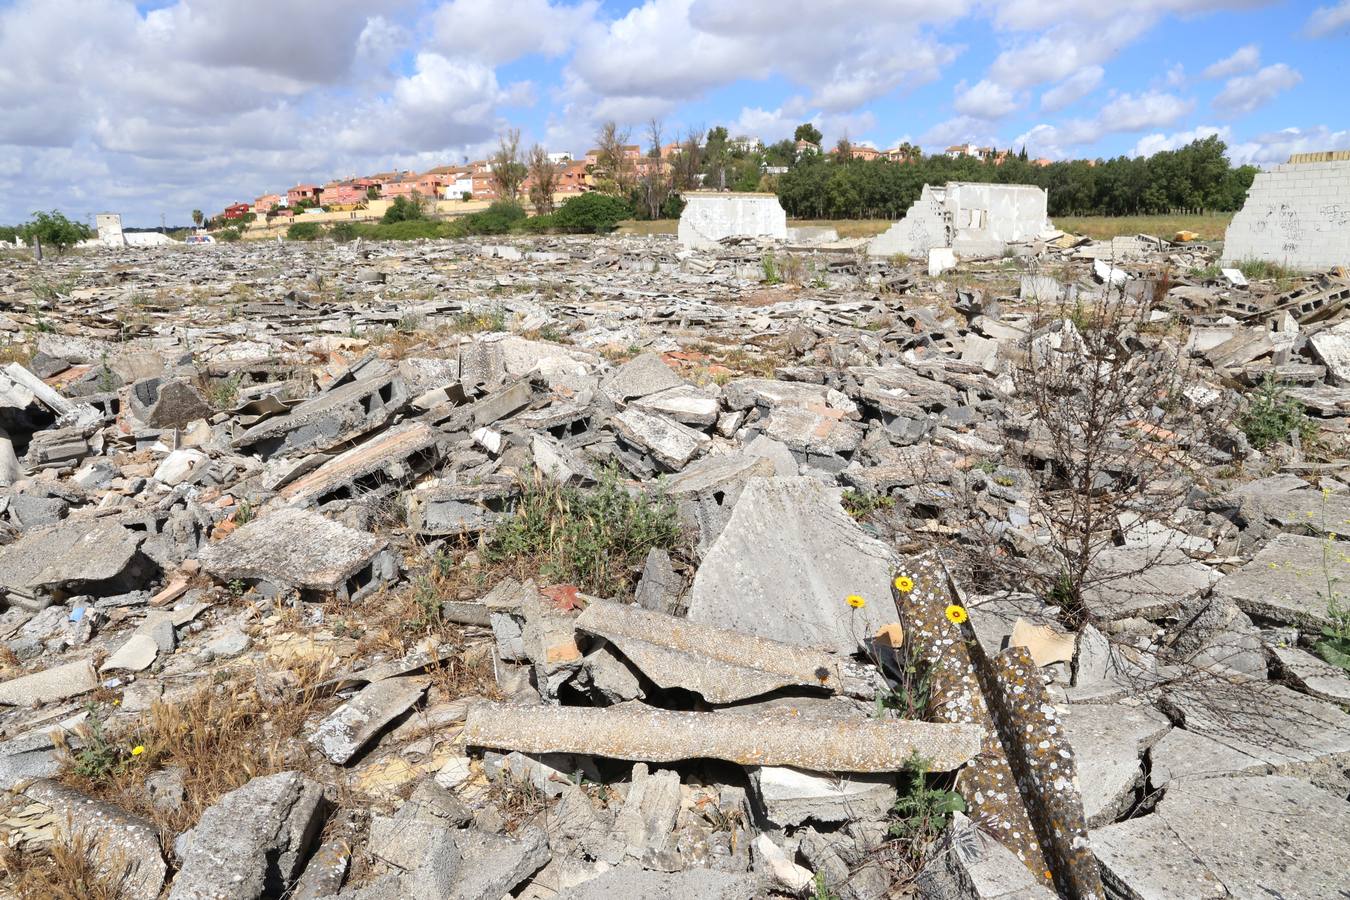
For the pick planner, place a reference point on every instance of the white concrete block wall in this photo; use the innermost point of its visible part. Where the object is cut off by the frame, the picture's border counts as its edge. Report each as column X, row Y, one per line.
column 971, row 218
column 1295, row 215
column 707, row 218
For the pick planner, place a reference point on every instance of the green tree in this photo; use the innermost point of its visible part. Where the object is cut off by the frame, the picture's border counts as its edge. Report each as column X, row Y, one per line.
column 304, row 231
column 54, row 230
column 197, row 218
column 404, row 209
column 808, row 132
column 590, row 213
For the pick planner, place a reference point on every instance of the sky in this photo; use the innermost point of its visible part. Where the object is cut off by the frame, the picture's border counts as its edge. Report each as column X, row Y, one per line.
column 153, row 109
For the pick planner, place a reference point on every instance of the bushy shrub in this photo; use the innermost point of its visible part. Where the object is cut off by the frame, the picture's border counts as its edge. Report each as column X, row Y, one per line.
column 229, row 235
column 1269, row 415
column 590, row 213
column 343, row 232
column 404, row 209
column 304, row 231
column 55, row 231
column 499, row 218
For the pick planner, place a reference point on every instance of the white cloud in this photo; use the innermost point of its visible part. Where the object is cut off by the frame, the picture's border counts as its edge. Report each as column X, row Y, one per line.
column 1124, row 113
column 1176, row 76
column 1326, row 20
column 1278, row 146
column 1246, row 93
column 959, row 130
column 984, row 100
column 1064, row 50
column 1032, row 14
column 504, row 30
column 1072, row 89
column 1150, row 144
column 1243, row 59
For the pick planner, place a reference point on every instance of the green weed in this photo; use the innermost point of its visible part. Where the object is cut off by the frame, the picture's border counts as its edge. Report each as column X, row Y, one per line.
column 594, row 538
column 860, row 504
column 1269, row 415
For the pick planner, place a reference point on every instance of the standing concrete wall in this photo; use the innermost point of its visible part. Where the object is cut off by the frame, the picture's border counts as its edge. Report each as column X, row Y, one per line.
column 708, row 218
column 972, row 219
column 110, row 230
column 1296, row 215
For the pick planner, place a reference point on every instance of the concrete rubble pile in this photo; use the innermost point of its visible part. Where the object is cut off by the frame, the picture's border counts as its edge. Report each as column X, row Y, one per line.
column 274, row 479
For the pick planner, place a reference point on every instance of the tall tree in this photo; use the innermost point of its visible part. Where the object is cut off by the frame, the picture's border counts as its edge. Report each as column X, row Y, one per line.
column 808, row 132
column 614, row 169
column 654, row 185
column 543, row 180
column 687, row 163
column 715, row 157
column 843, row 149
column 507, row 169
column 197, row 217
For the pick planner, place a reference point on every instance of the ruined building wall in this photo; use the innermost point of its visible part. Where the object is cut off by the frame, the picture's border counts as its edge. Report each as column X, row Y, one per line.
column 708, row 218
column 109, row 227
column 972, row 219
column 1296, row 215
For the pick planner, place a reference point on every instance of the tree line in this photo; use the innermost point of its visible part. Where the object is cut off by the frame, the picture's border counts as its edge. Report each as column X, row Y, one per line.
column 1197, row 177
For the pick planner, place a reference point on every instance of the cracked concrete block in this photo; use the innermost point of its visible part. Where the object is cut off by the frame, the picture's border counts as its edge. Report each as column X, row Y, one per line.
column 56, row 683
column 372, row 469
column 720, row 665
column 297, row 549
column 789, row 796
column 167, row 403
column 641, row 376
column 329, row 419
column 671, row 444
column 1109, row 742
column 784, row 564
column 253, row 842
column 355, row 723
column 77, row 556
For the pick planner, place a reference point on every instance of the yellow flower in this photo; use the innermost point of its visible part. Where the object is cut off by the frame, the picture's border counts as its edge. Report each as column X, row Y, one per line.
column 138, row 750
column 855, row 601
column 904, row 584
column 956, row 614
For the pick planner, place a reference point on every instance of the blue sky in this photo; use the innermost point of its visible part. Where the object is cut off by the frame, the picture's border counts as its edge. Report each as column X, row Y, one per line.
column 154, row 108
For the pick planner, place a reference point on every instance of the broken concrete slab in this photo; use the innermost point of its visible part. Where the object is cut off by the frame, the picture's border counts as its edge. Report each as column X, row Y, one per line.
column 784, row 565
column 686, row 404
column 1213, row 837
column 328, row 419
column 124, row 848
column 297, row 549
column 76, row 556
column 671, row 444
column 1109, row 742
column 56, row 683
column 253, row 842
column 971, row 864
column 355, row 723
column 720, row 665
column 641, row 376
column 691, row 884
column 651, row 735
column 1286, row 581
column 1129, row 581
column 1311, row 674
column 167, row 403
column 371, row 469
column 790, row 797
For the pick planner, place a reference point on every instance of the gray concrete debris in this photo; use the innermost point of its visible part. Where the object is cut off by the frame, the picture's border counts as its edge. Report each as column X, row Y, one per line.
column 1286, row 581
column 167, row 403
column 646, row 822
column 641, row 376
column 353, row 724
column 296, row 549
column 56, row 683
column 1109, row 742
column 124, row 848
column 720, row 665
column 253, row 843
column 784, row 565
column 660, row 586
column 1311, row 674
column 692, row 884
column 328, row 419
column 1213, row 837
column 75, row 555
column 972, row 866
column 671, row 444
column 838, row 745
column 788, row 796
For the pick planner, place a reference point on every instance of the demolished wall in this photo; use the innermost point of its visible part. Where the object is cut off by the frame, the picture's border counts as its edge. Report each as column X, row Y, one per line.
column 1296, row 215
column 110, row 230
column 972, row 219
column 709, row 218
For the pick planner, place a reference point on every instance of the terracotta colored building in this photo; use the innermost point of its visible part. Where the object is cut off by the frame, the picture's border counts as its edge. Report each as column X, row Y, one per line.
column 303, row 192
column 266, row 203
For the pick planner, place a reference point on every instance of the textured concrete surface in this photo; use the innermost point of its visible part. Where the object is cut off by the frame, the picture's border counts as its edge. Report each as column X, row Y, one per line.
column 1296, row 215
column 709, row 217
column 652, row 735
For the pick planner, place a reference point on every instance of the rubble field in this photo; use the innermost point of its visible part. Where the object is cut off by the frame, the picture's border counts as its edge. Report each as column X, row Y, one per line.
column 594, row 567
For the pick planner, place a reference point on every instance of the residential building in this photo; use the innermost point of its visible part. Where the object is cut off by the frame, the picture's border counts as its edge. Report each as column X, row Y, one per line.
column 302, row 192
column 803, row 146
column 864, row 152
column 987, row 154
column 484, row 185
column 630, row 151
column 743, row 144
column 459, row 181
column 266, row 203
column 428, row 185
column 574, row 179
column 236, row 211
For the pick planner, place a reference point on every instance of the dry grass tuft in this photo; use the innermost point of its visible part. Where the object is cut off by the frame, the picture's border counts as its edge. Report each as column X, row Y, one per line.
column 66, row 870
column 221, row 737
